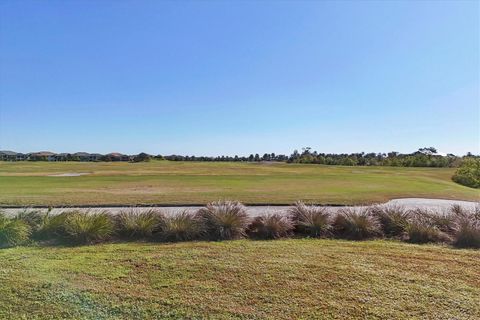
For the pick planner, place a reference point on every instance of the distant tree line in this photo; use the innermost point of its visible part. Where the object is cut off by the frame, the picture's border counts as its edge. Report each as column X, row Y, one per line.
column 423, row 157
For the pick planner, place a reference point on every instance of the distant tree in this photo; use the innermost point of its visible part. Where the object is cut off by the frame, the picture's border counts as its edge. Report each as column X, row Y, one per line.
column 428, row 151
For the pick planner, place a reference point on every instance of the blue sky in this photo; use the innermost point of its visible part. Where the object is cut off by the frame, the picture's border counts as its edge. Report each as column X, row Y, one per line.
column 226, row 77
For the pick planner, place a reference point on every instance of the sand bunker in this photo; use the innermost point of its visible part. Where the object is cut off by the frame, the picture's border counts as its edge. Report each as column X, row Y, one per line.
column 69, row 174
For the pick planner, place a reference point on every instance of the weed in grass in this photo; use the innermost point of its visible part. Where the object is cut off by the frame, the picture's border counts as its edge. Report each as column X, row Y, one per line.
column 224, row 220
column 311, row 220
column 270, row 226
column 356, row 224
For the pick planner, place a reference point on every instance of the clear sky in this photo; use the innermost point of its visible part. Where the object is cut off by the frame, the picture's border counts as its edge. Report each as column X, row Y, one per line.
column 239, row 77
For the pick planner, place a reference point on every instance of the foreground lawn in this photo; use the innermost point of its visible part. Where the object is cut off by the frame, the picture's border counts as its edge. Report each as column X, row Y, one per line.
column 283, row 279
column 165, row 182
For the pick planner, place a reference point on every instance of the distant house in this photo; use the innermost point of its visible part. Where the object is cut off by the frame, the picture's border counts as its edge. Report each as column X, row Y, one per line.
column 21, row 157
column 115, row 156
column 62, row 157
column 95, row 157
column 42, row 156
column 8, row 155
column 82, row 156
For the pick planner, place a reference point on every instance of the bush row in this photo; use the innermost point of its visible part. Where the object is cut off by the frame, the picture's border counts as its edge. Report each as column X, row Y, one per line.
column 225, row 220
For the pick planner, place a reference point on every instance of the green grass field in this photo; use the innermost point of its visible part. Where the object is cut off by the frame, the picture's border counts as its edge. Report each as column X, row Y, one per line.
column 282, row 279
column 165, row 182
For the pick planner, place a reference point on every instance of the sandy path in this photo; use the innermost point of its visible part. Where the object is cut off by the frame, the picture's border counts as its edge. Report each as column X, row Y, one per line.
column 409, row 203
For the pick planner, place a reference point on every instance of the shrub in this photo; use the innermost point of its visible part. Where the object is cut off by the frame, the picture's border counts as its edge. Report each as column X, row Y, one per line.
column 423, row 228
column 311, row 220
column 356, row 224
column 223, row 220
column 466, row 228
column 85, row 227
column 13, row 232
column 183, row 226
column 270, row 226
column 136, row 224
column 468, row 174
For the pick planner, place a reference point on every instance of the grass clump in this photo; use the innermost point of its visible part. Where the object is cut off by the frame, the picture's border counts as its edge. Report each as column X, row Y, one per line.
column 270, row 226
column 393, row 220
column 183, row 226
column 467, row 227
column 424, row 227
column 85, row 227
column 13, row 232
column 33, row 218
column 53, row 226
column 134, row 224
column 223, row 220
column 356, row 224
column 311, row 220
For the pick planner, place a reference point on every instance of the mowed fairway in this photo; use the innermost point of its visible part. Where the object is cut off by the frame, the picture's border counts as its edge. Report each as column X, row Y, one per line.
column 282, row 279
column 165, row 182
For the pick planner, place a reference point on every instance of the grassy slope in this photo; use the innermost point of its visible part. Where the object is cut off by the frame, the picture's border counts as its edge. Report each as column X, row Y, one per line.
column 28, row 183
column 281, row 279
